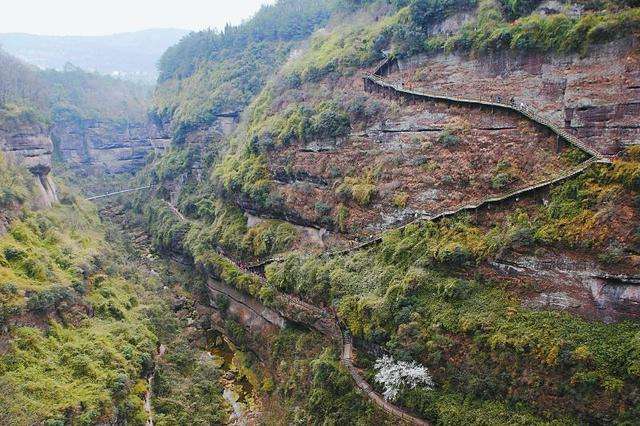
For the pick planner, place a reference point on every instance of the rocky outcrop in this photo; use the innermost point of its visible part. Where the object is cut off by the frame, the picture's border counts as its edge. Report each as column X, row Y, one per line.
column 103, row 146
column 567, row 281
column 260, row 320
column 26, row 140
column 417, row 174
column 596, row 96
column 107, row 146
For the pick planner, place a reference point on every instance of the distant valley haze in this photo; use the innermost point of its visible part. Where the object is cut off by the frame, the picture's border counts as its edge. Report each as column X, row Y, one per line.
column 119, row 38
column 128, row 55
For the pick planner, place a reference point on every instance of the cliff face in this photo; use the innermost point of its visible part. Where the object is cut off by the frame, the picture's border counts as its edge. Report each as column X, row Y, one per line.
column 114, row 147
column 416, row 159
column 27, row 142
column 107, row 146
column 596, row 96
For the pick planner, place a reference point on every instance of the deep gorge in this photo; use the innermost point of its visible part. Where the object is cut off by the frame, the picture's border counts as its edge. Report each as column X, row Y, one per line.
column 449, row 187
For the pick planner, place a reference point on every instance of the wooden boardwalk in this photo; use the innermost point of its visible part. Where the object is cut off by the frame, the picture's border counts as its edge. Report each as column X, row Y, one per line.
column 530, row 113
column 124, row 191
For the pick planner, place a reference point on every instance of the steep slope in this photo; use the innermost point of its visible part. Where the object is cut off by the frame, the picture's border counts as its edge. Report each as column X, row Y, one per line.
column 88, row 332
column 523, row 303
column 98, row 125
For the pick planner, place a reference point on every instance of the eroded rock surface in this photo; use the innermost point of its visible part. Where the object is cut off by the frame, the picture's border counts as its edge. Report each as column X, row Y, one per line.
column 566, row 281
column 413, row 167
column 26, row 141
column 596, row 96
column 108, row 145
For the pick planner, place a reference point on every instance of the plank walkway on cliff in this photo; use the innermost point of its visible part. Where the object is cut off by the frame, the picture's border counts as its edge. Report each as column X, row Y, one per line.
column 522, row 109
column 375, row 82
column 124, row 191
column 347, row 360
column 530, row 113
column 333, row 331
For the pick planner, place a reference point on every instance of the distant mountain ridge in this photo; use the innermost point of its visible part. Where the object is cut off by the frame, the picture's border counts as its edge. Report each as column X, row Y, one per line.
column 131, row 55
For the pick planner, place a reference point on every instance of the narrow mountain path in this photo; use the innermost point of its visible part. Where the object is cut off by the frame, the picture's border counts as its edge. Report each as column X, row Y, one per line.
column 148, row 395
column 330, row 328
column 347, row 360
column 376, row 81
column 176, row 211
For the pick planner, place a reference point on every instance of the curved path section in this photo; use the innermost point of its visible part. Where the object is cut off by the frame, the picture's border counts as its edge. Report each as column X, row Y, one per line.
column 376, row 81
column 327, row 325
column 474, row 206
column 347, row 359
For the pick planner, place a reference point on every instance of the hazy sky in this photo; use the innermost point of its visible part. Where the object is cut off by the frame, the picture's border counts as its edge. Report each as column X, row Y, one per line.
column 100, row 17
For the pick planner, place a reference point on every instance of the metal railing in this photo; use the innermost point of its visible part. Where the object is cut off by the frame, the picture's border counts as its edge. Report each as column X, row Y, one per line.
column 124, row 191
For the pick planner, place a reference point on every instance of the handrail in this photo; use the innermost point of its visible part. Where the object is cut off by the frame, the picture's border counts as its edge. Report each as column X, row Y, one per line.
column 527, row 111
column 347, row 359
column 474, row 206
column 124, row 191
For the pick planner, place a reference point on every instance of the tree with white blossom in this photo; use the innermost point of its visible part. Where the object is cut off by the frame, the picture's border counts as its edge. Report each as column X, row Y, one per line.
column 396, row 375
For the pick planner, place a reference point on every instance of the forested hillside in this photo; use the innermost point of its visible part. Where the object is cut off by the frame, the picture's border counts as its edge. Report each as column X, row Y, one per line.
column 510, row 303
column 211, row 72
column 368, row 212
column 98, row 125
column 73, row 90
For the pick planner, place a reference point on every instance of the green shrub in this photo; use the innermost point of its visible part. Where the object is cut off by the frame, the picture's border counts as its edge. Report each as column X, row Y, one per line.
column 360, row 189
column 322, row 208
column 222, row 302
column 448, row 139
column 501, row 180
column 400, row 200
column 36, row 269
column 517, row 8
column 426, row 13
column 613, row 254
column 303, row 124
column 14, row 183
column 342, row 215
column 13, row 254
column 48, row 299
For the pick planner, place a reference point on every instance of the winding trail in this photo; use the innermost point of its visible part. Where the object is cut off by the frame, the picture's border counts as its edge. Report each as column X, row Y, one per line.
column 375, row 83
column 148, row 395
column 328, row 325
column 347, row 360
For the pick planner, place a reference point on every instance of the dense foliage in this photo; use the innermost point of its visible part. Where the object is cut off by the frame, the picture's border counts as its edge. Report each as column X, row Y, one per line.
column 405, row 296
column 312, row 386
column 82, row 316
column 71, row 93
column 284, row 21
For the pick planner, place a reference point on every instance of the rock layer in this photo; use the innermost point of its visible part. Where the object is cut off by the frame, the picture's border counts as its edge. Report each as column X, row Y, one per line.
column 597, row 97
column 26, row 141
column 107, row 146
column 566, row 281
